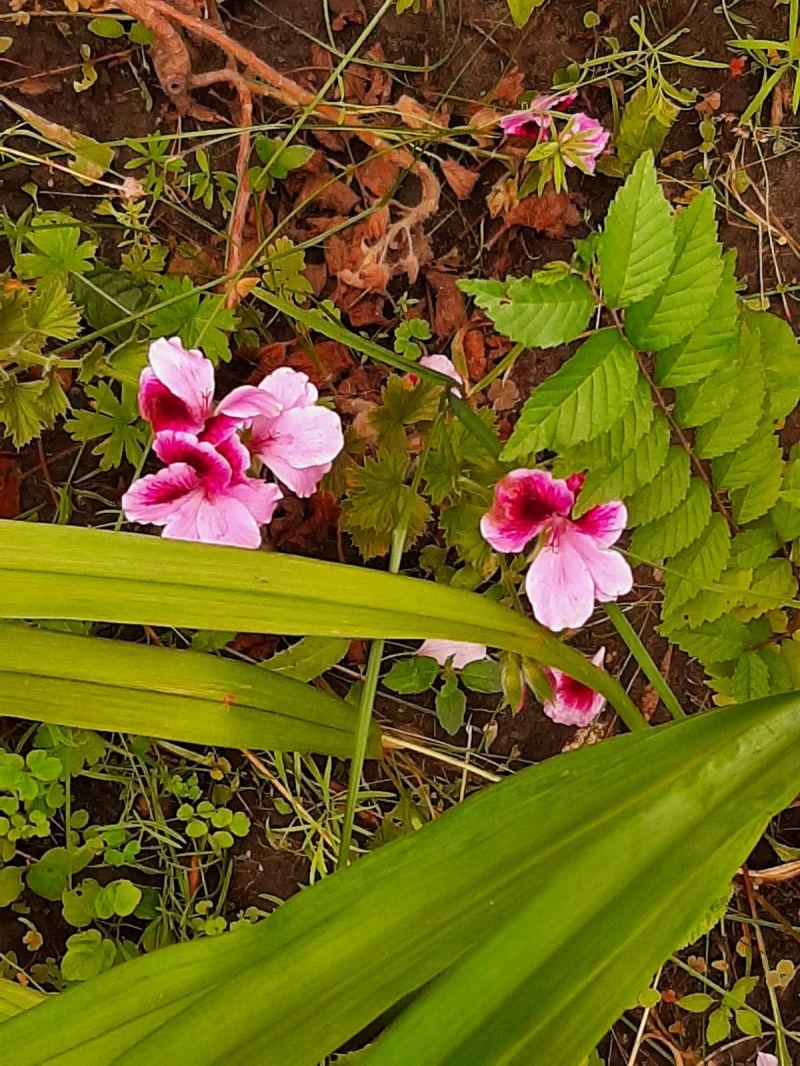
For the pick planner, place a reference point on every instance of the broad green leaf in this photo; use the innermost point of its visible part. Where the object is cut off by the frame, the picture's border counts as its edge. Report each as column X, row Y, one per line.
column 451, row 706
column 750, row 678
column 748, row 1021
column 698, row 565
column 719, row 1025
column 752, row 548
column 579, row 401
column 773, row 586
column 711, row 343
column 659, row 825
column 756, row 498
column 735, row 425
column 781, row 358
column 309, row 658
column 412, row 675
column 15, row 998
column 664, row 492
column 634, row 470
column 645, row 123
column 106, row 27
column 673, row 311
column 624, row 434
column 700, row 403
column 786, row 512
column 713, row 642
column 696, row 1003
column 59, row 252
column 668, row 535
column 541, row 316
column 521, row 10
column 88, row 954
column 65, row 572
column 755, row 460
column 128, row 688
column 90, row 159
column 52, row 312
column 636, row 249
column 10, row 889
column 482, row 676
column 21, row 409
column 712, row 603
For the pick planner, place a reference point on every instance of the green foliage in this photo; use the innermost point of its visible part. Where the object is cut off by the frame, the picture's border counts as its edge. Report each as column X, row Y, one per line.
column 535, row 311
column 645, row 123
column 200, row 320
column 377, row 503
column 58, row 249
column 115, row 422
column 521, row 10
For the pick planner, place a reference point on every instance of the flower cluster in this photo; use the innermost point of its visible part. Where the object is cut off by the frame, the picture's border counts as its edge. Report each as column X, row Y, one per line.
column 206, row 491
column 574, row 566
column 577, row 143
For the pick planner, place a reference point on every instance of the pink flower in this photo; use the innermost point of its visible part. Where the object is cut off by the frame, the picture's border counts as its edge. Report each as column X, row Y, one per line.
column 299, row 443
column 176, row 393
column 764, row 1059
column 582, row 140
column 573, row 566
column 444, row 366
column 461, row 652
column 573, row 703
column 535, row 120
column 203, row 493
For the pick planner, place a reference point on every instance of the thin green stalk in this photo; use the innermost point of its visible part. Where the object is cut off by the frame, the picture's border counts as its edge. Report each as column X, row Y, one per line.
column 505, row 363
column 643, row 658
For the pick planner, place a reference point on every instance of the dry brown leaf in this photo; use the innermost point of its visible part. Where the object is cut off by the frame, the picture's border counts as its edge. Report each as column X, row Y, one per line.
column 10, row 482
column 325, row 363
column 321, row 59
column 450, row 311
column 333, row 195
column 414, row 114
column 317, row 276
column 503, row 395
column 510, row 87
column 475, row 354
column 334, row 142
column 483, row 123
column 709, row 104
column 379, row 174
column 38, row 85
column 347, row 11
column 362, row 308
column 461, row 179
column 346, row 250
column 551, row 213
column 502, row 197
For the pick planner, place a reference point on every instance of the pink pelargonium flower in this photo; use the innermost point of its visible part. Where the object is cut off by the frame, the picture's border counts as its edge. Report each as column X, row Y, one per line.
column 203, row 493
column 443, row 365
column 582, row 140
column 765, row 1059
column 573, row 566
column 299, row 443
column 573, row 703
column 176, row 393
column 461, row 652
column 534, row 121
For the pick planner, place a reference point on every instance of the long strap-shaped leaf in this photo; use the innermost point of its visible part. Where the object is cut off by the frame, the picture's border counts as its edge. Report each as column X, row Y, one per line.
column 178, row 695
column 538, row 910
column 65, row 572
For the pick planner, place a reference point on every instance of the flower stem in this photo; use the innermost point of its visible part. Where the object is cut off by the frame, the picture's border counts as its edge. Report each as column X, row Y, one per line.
column 643, row 658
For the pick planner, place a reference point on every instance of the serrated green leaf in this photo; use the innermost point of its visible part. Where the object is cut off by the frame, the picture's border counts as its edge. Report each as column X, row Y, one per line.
column 20, row 410
column 403, row 404
column 786, row 512
column 308, row 658
column 750, row 678
column 711, row 343
column 579, row 401
column 675, row 309
column 451, row 706
column 411, row 676
column 719, row 1026
column 115, row 421
column 781, row 358
column 773, row 586
column 668, row 535
column 540, row 316
column 698, row 565
column 696, row 1003
column 752, row 548
column 713, row 642
column 608, row 448
column 645, row 123
column 756, row 498
column 376, row 503
column 51, row 311
column 635, row 469
column 107, row 296
column 59, row 252
column 751, row 462
column 664, row 492
column 735, row 426
column 461, row 527
column 456, row 454
column 700, row 403
column 711, row 604
column 638, row 242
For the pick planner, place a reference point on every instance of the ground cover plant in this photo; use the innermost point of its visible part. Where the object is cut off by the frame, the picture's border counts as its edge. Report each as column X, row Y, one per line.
column 398, row 524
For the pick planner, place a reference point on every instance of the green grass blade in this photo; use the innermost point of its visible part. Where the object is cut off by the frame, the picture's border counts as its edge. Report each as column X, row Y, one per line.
column 129, row 688
column 65, row 572
column 531, row 915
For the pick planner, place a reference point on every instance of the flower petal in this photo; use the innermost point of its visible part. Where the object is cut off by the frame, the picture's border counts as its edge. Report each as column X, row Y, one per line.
column 560, row 587
column 765, row 1059
column 302, row 483
column 226, row 520
column 235, row 455
column 524, row 124
column 259, row 497
column 524, row 502
column 163, row 408
column 213, row 469
column 444, row 366
column 290, row 388
column 604, row 524
column 610, row 573
column 573, row 703
column 153, row 499
column 247, row 402
column 461, row 652
column 301, row 437
column 186, row 373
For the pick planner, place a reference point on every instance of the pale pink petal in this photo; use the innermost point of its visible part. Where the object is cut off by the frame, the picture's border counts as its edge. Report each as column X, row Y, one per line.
column 535, row 121
column 604, row 524
column 461, row 652
column 582, row 141
column 302, row 483
column 247, row 402
column 226, row 520
column 153, row 499
column 610, row 573
column 301, row 437
column 290, row 388
column 525, row 501
column 560, row 587
column 182, row 523
column 259, row 497
column 163, row 408
column 552, row 101
column 573, row 703
column 443, row 365
column 765, row 1059
column 186, row 373
column 575, row 483
column 213, row 470
column 236, row 455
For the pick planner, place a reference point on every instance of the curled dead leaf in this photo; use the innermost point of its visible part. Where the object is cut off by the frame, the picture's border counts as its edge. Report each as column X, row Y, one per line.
column 510, row 87
column 450, row 310
column 461, row 179
column 551, row 213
